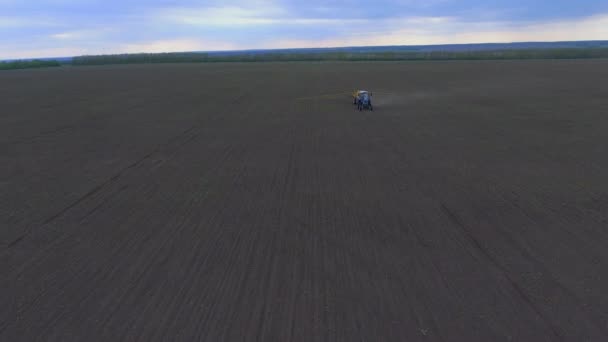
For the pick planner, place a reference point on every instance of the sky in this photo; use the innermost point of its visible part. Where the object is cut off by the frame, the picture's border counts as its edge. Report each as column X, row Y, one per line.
column 61, row 28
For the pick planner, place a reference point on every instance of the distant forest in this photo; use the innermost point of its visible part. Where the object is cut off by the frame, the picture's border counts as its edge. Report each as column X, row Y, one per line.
column 349, row 54
column 566, row 53
column 28, row 64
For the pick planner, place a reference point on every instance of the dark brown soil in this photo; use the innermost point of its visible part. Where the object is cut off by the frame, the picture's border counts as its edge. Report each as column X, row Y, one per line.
column 252, row 202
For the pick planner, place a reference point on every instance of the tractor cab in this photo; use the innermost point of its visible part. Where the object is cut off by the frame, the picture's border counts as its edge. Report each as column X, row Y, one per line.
column 360, row 94
column 362, row 98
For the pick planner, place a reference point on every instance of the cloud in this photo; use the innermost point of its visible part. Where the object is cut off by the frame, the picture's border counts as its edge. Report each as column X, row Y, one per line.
column 76, row 27
column 44, row 52
column 11, row 22
column 7, row 22
column 76, row 49
column 219, row 16
column 76, row 35
column 266, row 13
column 427, row 31
column 176, row 45
column 590, row 28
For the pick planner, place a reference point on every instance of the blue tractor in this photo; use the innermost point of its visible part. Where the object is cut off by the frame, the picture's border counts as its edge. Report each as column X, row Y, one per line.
column 363, row 100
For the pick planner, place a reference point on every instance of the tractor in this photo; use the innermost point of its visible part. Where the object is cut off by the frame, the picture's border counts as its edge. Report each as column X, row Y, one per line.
column 363, row 100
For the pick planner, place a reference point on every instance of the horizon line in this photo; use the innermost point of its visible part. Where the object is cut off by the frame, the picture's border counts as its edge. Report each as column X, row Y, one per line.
column 319, row 48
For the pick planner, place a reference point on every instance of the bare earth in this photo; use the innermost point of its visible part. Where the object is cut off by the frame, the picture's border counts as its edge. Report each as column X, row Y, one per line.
column 251, row 202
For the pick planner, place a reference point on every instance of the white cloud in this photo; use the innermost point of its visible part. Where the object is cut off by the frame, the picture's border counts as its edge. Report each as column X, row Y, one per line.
column 238, row 16
column 10, row 22
column 590, row 28
column 63, row 36
column 38, row 52
column 393, row 31
column 220, row 16
column 85, row 34
column 423, row 31
column 21, row 22
column 176, row 45
column 75, row 49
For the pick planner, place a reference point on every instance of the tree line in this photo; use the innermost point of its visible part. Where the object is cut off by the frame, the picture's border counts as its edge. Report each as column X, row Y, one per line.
column 139, row 58
column 566, row 53
column 12, row 65
column 194, row 57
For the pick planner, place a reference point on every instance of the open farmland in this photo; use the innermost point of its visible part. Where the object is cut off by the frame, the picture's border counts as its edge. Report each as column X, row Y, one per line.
column 230, row 202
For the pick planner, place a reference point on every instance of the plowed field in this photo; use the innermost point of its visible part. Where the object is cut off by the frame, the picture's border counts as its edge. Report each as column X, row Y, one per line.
column 252, row 202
